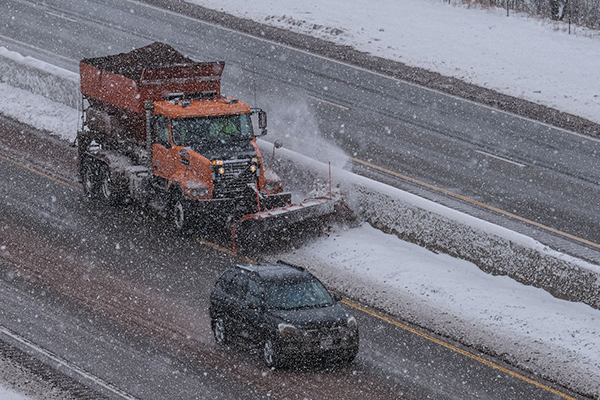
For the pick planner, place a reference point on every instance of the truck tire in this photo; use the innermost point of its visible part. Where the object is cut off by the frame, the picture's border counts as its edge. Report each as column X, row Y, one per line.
column 178, row 214
column 105, row 186
column 97, row 182
column 89, row 179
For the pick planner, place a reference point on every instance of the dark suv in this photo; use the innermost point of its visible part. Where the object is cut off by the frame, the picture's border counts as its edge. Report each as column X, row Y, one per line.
column 285, row 310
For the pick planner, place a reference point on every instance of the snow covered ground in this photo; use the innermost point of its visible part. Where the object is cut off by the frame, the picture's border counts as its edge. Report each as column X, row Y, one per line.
column 519, row 56
column 516, row 55
column 18, row 383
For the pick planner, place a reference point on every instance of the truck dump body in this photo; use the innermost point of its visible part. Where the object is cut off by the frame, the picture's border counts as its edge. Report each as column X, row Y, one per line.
column 152, row 73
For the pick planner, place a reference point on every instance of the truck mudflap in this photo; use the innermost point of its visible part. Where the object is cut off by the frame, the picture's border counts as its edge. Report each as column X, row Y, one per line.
column 254, row 228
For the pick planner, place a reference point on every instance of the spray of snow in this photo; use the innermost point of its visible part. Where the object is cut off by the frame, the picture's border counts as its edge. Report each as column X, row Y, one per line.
column 296, row 127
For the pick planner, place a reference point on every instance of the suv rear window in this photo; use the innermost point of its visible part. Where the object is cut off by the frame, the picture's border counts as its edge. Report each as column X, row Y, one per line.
column 290, row 295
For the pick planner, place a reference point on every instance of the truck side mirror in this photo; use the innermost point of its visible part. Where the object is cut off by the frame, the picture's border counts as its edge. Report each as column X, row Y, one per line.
column 262, row 120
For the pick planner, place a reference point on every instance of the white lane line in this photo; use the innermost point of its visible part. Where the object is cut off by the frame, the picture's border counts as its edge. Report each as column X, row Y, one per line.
column 501, row 159
column 330, row 103
column 64, row 362
column 61, row 16
column 38, row 49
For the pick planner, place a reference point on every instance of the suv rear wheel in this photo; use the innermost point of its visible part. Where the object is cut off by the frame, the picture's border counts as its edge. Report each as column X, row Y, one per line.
column 219, row 331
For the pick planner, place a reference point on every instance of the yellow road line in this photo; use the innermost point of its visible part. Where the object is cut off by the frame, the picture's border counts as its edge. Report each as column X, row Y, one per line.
column 478, row 203
column 456, row 349
column 65, row 183
column 15, row 162
column 225, row 250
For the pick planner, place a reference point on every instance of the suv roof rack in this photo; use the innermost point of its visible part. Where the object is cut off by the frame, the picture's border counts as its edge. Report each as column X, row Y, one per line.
column 299, row 268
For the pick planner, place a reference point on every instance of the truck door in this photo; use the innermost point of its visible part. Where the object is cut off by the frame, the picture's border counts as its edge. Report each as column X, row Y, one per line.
column 164, row 156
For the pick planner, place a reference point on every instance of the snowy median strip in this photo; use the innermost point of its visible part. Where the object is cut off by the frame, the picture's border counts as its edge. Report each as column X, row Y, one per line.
column 39, row 77
column 492, row 248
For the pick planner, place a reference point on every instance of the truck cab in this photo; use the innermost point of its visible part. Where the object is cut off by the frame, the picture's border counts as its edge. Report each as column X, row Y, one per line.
column 157, row 130
column 209, row 148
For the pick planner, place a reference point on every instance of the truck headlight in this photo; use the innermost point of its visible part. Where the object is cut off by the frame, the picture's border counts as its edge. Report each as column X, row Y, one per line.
column 196, row 188
column 221, row 170
column 217, row 162
column 273, row 186
column 253, row 168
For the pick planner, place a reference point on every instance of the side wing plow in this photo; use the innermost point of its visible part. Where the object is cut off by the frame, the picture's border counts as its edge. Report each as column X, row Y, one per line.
column 253, row 228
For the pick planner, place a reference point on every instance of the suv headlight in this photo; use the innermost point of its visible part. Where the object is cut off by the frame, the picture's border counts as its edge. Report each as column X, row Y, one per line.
column 287, row 330
column 352, row 323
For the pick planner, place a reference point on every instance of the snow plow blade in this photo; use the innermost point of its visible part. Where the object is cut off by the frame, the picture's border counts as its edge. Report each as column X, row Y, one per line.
column 277, row 224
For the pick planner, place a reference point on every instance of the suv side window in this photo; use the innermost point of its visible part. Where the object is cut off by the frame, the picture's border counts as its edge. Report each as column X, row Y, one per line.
column 239, row 285
column 225, row 282
column 254, row 293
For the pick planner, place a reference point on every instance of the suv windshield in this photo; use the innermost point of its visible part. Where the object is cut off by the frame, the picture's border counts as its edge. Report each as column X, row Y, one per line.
column 212, row 131
column 297, row 294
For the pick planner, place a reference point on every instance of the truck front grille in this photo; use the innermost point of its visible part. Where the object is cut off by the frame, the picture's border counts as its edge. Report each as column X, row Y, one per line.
column 234, row 182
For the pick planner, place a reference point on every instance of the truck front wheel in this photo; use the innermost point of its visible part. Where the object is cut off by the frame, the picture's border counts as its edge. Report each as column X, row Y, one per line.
column 179, row 217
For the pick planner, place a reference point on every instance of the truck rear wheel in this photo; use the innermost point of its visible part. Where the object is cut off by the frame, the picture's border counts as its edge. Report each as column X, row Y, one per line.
column 90, row 182
column 106, row 190
column 97, row 182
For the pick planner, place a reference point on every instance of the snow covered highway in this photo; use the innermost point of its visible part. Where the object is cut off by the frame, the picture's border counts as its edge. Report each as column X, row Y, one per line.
column 519, row 325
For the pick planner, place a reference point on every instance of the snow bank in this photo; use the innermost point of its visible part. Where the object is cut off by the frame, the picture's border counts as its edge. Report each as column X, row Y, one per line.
column 6, row 394
column 40, row 78
column 522, row 325
column 39, row 112
column 494, row 249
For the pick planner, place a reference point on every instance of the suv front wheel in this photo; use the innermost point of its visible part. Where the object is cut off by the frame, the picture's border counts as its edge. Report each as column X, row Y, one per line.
column 270, row 354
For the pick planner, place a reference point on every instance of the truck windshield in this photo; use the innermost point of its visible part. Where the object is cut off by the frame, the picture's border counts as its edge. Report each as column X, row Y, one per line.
column 212, row 131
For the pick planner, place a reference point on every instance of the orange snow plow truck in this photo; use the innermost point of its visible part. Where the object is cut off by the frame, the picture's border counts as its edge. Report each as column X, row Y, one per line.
column 156, row 130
